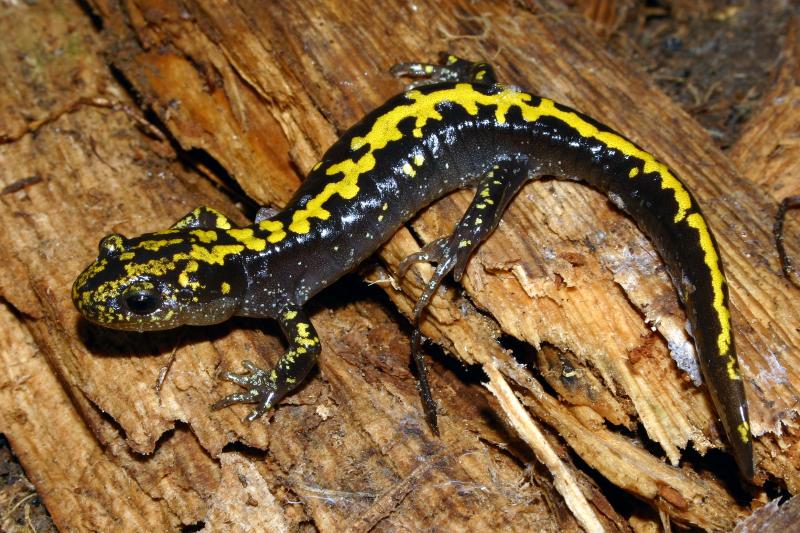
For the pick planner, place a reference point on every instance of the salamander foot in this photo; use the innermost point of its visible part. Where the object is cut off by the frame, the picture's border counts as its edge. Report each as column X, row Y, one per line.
column 261, row 389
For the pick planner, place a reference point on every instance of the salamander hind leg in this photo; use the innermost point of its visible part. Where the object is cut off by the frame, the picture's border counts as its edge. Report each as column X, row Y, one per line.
column 495, row 190
column 451, row 69
column 266, row 387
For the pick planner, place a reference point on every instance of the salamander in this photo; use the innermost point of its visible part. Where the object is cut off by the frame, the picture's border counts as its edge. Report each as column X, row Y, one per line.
column 455, row 127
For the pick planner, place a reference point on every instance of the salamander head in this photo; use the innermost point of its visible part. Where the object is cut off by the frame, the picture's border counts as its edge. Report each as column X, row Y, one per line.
column 162, row 280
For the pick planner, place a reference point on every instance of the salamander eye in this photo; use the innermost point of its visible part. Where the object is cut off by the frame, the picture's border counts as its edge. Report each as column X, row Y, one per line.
column 142, row 301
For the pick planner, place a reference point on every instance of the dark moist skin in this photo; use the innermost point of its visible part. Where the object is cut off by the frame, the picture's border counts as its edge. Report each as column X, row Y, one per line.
column 458, row 128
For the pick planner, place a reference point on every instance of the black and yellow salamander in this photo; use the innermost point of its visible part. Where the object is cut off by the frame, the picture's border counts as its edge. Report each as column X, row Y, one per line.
column 455, row 128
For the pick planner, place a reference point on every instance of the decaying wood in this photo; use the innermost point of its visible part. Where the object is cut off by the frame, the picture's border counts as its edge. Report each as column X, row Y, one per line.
column 768, row 152
column 263, row 88
column 83, row 488
column 772, row 517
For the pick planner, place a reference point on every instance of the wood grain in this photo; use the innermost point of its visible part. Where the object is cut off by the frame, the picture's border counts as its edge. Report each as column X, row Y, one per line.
column 249, row 94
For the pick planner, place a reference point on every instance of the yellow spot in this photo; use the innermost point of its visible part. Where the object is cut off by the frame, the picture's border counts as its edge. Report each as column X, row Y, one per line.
column 247, row 237
column 225, row 287
column 428, row 69
column 710, row 258
column 490, row 201
column 478, row 221
column 302, row 329
column 634, row 172
column 315, row 167
column 409, row 170
column 223, row 222
column 380, row 218
column 216, row 255
column 183, row 277
column 127, row 256
column 419, row 159
column 484, row 193
column 464, row 243
column 155, row 246
column 733, row 374
column 205, row 236
column 480, row 75
column 275, row 229
column 490, row 174
column 451, row 59
column 744, row 431
column 481, row 206
column 385, row 207
column 289, row 315
column 357, row 142
column 305, row 342
column 155, row 267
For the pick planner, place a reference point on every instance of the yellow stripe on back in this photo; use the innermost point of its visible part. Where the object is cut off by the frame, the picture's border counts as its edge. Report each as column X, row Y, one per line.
column 711, row 259
column 423, row 108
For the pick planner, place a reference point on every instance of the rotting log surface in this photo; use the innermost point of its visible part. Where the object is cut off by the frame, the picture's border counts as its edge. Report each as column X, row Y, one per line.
column 262, row 89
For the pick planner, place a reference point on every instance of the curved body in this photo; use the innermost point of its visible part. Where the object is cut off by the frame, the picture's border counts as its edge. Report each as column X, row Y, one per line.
column 417, row 147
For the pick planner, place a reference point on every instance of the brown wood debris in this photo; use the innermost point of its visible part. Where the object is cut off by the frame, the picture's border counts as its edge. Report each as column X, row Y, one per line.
column 208, row 98
column 774, row 516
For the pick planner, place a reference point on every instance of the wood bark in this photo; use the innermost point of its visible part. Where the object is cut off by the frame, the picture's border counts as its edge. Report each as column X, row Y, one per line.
column 205, row 101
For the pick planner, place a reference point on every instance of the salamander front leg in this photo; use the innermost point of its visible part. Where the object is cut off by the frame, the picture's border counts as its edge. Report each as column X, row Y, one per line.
column 266, row 388
column 495, row 190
